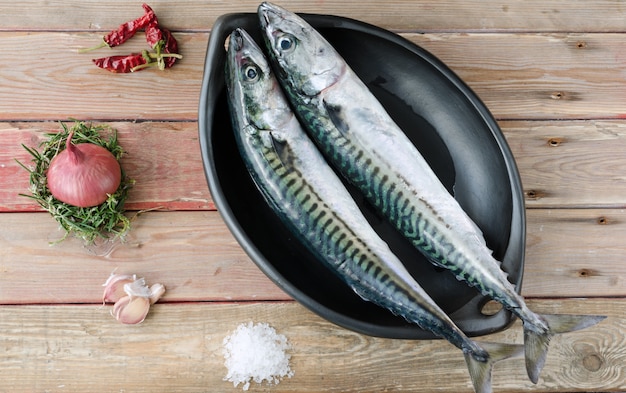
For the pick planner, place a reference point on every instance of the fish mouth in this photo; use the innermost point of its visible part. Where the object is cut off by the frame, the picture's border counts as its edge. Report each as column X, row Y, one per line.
column 236, row 40
column 244, row 47
column 269, row 14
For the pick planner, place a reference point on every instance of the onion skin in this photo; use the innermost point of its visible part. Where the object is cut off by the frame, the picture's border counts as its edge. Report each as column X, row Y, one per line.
column 84, row 174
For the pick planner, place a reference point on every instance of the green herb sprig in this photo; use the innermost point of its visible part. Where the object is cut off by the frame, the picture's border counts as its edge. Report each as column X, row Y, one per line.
column 88, row 223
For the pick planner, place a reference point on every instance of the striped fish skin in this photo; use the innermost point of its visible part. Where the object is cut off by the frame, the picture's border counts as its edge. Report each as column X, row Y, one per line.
column 358, row 137
column 307, row 195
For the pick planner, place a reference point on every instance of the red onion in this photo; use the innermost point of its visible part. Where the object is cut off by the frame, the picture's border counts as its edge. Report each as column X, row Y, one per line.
column 82, row 175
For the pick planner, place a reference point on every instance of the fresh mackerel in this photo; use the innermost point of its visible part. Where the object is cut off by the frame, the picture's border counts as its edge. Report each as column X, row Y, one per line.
column 311, row 200
column 359, row 138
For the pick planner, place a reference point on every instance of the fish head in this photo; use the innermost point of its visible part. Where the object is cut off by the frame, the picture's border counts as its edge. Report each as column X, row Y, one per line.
column 254, row 93
column 305, row 60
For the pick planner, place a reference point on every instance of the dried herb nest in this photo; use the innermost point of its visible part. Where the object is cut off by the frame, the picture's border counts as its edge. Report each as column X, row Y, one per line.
column 104, row 221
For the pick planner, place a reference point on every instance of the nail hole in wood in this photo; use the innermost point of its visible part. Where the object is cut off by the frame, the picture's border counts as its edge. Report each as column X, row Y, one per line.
column 557, row 95
column 586, row 273
column 554, row 142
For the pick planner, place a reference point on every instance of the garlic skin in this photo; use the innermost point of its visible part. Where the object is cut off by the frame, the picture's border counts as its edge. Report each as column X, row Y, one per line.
column 156, row 291
column 114, row 287
column 132, row 297
column 137, row 288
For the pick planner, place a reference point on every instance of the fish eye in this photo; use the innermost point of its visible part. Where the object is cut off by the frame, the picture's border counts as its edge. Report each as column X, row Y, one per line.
column 286, row 43
column 250, row 72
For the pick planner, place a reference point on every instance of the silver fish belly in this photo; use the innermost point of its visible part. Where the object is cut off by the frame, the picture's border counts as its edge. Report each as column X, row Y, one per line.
column 359, row 138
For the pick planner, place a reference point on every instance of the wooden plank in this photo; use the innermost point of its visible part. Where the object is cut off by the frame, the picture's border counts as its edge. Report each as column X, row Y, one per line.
column 575, row 252
column 420, row 15
column 179, row 349
column 194, row 255
column 44, row 78
column 570, row 164
column 162, row 157
column 191, row 253
column 536, row 76
column 562, row 163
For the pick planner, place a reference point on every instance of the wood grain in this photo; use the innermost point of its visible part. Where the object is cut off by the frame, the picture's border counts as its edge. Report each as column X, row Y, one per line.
column 518, row 76
column 570, row 163
column 418, row 15
column 575, row 164
column 570, row 253
column 191, row 253
column 552, row 73
column 179, row 349
column 49, row 80
column 538, row 76
column 163, row 158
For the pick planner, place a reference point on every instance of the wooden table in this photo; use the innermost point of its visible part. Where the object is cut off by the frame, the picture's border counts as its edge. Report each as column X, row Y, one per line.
column 553, row 73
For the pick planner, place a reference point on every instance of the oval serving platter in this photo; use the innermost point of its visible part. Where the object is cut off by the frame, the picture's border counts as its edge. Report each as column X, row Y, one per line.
column 445, row 120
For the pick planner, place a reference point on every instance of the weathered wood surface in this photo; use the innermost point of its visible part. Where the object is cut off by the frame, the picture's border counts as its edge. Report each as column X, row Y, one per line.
column 75, row 348
column 552, row 73
column 572, row 164
column 518, row 76
column 162, row 157
column 412, row 15
column 191, row 253
column 570, row 253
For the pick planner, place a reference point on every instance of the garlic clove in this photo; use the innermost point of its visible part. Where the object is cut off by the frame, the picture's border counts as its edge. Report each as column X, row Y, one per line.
column 132, row 297
column 114, row 287
column 156, row 291
column 131, row 309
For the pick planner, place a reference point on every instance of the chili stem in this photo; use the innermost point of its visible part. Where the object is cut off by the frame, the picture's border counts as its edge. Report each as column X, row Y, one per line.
column 142, row 66
column 161, row 55
column 103, row 44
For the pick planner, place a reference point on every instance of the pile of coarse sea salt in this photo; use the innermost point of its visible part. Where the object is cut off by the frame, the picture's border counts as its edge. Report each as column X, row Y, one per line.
column 255, row 352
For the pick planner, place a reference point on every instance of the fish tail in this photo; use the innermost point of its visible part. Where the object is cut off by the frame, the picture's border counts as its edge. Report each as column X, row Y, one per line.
column 537, row 341
column 480, row 367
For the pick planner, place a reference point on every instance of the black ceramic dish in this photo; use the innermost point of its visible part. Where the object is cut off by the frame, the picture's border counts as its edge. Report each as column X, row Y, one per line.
column 448, row 124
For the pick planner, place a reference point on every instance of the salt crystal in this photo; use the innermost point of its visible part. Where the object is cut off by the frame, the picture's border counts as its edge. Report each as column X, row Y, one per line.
column 255, row 352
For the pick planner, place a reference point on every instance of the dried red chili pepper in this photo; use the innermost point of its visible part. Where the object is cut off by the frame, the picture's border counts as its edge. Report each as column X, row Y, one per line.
column 160, row 40
column 153, row 31
column 170, row 47
column 125, row 31
column 164, row 44
column 123, row 64
column 154, row 36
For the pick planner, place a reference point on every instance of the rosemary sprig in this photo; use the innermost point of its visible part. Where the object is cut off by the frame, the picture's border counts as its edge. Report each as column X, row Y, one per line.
column 88, row 223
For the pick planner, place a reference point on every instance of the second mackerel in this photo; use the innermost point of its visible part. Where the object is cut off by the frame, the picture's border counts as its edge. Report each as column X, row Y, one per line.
column 311, row 200
column 360, row 139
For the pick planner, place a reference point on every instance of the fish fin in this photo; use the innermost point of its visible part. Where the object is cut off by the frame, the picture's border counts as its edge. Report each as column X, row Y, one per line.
column 335, row 113
column 536, row 349
column 282, row 148
column 537, row 342
column 480, row 370
column 364, row 295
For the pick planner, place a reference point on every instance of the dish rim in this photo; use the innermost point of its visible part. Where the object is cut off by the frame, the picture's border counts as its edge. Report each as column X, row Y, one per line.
column 209, row 97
